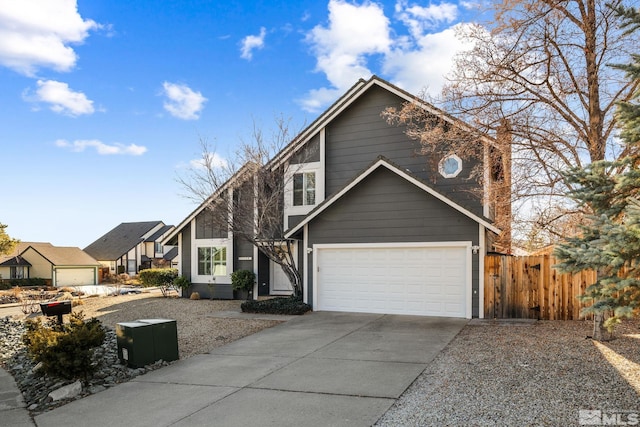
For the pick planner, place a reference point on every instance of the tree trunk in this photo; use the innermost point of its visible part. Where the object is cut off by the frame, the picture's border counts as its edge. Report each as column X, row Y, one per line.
column 598, row 329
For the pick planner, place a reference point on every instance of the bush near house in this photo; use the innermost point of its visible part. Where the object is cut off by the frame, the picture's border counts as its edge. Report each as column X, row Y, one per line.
column 288, row 305
column 160, row 277
column 32, row 281
column 64, row 350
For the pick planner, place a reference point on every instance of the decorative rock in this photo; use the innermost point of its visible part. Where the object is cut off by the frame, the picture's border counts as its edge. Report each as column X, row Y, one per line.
column 66, row 392
column 96, row 389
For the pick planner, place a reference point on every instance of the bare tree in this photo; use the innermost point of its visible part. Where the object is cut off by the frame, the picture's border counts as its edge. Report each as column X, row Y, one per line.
column 545, row 67
column 246, row 194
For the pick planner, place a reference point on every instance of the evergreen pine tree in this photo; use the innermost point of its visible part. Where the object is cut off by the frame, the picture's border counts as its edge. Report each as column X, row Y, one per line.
column 610, row 236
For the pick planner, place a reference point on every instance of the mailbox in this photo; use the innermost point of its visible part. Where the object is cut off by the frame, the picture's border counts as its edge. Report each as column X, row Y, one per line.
column 56, row 308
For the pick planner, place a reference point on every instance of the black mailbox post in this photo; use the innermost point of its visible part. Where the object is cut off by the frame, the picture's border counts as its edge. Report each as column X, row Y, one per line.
column 56, row 308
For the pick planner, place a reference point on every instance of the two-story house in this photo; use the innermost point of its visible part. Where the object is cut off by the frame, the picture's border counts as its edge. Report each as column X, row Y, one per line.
column 132, row 246
column 374, row 225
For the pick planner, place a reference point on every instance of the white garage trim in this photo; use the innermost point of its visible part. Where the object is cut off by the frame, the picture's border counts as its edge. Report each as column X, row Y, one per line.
column 317, row 248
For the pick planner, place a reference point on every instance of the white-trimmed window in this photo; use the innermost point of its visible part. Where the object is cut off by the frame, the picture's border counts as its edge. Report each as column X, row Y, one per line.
column 212, row 261
column 17, row 272
column 304, row 189
column 450, row 166
column 158, row 247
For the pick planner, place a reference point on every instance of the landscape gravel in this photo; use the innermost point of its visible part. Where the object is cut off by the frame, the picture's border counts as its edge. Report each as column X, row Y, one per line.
column 198, row 333
column 517, row 374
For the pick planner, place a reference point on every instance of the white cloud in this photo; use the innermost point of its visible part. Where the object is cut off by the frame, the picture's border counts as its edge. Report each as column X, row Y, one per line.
column 61, row 99
column 419, row 19
column 214, row 161
column 425, row 65
column 102, row 148
column 353, row 34
column 182, row 102
column 250, row 43
column 37, row 34
column 358, row 34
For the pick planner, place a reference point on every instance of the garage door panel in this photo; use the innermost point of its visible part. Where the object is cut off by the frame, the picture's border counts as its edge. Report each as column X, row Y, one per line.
column 75, row 276
column 417, row 280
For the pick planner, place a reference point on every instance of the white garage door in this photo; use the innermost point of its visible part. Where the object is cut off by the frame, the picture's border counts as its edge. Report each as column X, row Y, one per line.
column 75, row 276
column 427, row 281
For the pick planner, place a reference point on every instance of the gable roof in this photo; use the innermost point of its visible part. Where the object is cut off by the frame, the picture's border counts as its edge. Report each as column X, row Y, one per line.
column 62, row 255
column 120, row 240
column 349, row 97
column 244, row 169
column 16, row 261
column 342, row 103
column 384, row 162
column 158, row 233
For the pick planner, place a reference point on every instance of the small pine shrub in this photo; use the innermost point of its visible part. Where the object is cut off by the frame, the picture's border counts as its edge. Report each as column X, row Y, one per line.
column 64, row 350
column 194, row 296
column 289, row 305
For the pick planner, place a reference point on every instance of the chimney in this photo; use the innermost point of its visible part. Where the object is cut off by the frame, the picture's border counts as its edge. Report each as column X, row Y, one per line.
column 501, row 186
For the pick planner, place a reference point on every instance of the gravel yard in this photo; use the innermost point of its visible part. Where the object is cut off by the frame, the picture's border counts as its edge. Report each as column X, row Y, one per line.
column 524, row 374
column 198, row 331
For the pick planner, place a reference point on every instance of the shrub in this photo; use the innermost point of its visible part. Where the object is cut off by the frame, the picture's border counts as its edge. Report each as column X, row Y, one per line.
column 289, row 305
column 194, row 296
column 31, row 281
column 160, row 277
column 181, row 282
column 243, row 280
column 64, row 350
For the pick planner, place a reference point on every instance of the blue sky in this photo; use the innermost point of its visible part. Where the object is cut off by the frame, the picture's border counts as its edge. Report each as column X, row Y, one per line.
column 104, row 102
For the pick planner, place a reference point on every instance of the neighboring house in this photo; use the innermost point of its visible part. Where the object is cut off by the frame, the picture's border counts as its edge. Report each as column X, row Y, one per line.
column 133, row 246
column 377, row 226
column 64, row 266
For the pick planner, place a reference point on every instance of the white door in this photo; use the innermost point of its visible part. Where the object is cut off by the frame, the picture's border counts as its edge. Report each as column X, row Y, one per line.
column 75, row 276
column 426, row 280
column 279, row 283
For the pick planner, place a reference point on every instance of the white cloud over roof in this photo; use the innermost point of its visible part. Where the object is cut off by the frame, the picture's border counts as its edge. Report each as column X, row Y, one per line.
column 38, row 33
column 182, row 102
column 357, row 34
column 251, row 43
column 61, row 98
column 101, row 148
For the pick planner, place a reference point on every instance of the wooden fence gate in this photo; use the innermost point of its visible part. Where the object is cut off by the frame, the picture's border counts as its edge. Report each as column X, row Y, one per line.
column 529, row 287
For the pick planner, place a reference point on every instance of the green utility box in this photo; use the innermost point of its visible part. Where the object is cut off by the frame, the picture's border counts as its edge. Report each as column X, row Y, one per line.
column 165, row 338
column 135, row 343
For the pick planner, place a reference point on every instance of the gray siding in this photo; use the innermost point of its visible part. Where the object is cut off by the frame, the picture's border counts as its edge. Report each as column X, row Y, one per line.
column 207, row 227
column 359, row 135
column 242, row 249
column 217, row 291
column 186, row 251
column 310, row 152
column 385, row 208
column 294, row 220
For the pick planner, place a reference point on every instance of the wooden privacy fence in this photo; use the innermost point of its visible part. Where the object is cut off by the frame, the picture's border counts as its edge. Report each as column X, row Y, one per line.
column 528, row 287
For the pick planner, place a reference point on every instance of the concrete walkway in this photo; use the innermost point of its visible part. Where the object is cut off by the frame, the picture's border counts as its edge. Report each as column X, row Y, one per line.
column 315, row 370
column 12, row 407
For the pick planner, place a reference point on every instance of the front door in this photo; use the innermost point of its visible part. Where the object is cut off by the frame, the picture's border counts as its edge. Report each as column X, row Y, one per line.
column 279, row 283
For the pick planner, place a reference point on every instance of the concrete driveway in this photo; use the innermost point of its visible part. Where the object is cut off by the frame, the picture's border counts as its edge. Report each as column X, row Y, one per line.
column 320, row 369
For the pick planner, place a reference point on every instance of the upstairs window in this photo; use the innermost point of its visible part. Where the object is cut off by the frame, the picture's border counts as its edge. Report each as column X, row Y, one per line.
column 450, row 166
column 212, row 261
column 304, row 189
column 158, row 247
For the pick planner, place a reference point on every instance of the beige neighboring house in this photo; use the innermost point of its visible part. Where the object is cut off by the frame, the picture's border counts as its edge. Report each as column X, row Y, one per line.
column 63, row 266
